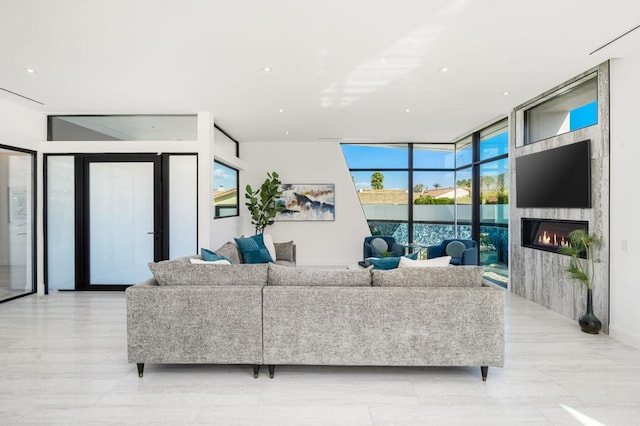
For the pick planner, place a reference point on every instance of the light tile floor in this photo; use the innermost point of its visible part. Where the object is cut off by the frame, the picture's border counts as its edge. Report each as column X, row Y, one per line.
column 64, row 361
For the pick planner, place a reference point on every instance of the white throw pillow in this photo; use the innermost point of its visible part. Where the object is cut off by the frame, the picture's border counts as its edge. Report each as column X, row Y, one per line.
column 210, row 262
column 405, row 262
column 268, row 243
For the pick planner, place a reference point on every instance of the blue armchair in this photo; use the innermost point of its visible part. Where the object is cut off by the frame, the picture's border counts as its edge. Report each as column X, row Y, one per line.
column 467, row 255
column 376, row 245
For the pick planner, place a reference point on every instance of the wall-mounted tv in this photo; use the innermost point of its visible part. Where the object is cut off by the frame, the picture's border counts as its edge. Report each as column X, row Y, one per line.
column 555, row 178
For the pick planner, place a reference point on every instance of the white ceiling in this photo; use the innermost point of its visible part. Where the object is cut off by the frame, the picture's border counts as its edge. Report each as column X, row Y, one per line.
column 340, row 68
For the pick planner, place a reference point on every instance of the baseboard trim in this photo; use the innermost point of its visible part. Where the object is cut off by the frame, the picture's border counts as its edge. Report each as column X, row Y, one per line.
column 632, row 339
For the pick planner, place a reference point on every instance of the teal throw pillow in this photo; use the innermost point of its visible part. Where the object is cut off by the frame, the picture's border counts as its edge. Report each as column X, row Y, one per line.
column 211, row 256
column 253, row 249
column 391, row 262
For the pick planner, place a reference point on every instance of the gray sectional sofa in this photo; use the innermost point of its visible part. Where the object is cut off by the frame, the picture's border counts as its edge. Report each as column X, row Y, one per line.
column 273, row 315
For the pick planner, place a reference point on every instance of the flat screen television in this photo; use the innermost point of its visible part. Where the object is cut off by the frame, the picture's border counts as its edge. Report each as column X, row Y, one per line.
column 555, row 178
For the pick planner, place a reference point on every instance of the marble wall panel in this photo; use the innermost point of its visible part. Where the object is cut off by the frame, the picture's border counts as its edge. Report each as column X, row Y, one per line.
column 541, row 276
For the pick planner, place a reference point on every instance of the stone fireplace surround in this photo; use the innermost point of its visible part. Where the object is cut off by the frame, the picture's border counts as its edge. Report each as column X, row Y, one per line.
column 541, row 275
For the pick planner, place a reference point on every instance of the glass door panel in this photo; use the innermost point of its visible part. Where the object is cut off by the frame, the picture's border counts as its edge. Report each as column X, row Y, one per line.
column 121, row 222
column 16, row 223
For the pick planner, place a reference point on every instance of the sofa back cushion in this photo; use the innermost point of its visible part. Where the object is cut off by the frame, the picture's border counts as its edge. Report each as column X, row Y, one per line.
column 170, row 272
column 437, row 276
column 286, row 276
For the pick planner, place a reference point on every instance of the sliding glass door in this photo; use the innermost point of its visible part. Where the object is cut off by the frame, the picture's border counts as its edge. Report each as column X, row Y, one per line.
column 17, row 242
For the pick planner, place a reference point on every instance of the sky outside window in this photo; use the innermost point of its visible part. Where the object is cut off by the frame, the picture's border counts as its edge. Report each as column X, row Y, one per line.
column 224, row 176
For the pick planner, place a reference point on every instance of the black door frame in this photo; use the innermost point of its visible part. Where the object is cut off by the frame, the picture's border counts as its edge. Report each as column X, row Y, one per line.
column 82, row 240
column 33, row 223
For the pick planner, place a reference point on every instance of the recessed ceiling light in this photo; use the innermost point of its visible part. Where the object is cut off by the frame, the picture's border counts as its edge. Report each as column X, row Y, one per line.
column 505, row 93
column 266, row 69
column 286, row 132
column 407, row 110
column 281, row 110
column 30, row 70
column 444, row 69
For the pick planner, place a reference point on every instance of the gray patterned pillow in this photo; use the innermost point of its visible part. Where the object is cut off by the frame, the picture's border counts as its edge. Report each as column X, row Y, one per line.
column 282, row 275
column 437, row 276
column 230, row 251
column 169, row 272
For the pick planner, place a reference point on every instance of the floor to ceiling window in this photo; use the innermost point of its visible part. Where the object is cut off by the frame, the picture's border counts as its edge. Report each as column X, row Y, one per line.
column 427, row 192
column 17, row 242
column 493, row 221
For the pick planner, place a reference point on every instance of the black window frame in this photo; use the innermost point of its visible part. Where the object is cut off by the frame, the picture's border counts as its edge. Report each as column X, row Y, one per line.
column 216, row 209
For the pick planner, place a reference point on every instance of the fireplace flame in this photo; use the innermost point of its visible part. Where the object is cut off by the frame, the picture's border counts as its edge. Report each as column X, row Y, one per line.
column 552, row 240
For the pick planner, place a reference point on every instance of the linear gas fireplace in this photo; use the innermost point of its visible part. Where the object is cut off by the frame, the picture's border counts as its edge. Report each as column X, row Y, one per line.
column 549, row 234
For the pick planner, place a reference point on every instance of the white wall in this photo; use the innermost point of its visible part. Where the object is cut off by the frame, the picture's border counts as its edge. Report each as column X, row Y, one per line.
column 21, row 126
column 337, row 243
column 625, row 229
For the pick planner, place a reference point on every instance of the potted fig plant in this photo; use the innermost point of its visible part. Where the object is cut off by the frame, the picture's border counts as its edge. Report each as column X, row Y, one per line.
column 582, row 269
column 262, row 202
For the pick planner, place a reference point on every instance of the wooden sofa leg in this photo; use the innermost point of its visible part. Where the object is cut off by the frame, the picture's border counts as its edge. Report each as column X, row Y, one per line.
column 140, row 366
column 484, row 370
column 256, row 371
column 272, row 369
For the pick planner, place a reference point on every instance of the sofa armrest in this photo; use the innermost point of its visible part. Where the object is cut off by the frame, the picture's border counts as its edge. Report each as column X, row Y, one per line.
column 194, row 324
column 469, row 256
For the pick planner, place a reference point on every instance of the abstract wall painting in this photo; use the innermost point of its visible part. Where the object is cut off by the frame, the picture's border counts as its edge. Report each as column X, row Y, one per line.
column 307, row 202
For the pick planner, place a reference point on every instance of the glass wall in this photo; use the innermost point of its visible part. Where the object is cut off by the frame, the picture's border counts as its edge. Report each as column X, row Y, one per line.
column 60, row 219
column 425, row 193
column 380, row 176
column 494, row 202
column 123, row 128
column 494, row 219
column 183, row 205
column 17, row 245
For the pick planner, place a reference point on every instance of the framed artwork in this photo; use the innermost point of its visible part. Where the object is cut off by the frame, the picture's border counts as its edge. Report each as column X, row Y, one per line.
column 307, row 202
column 17, row 205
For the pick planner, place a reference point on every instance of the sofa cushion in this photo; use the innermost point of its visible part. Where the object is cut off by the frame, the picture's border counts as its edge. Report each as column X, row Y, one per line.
column 284, row 251
column 285, row 276
column 438, row 276
column 390, row 262
column 171, row 273
column 230, row 251
column 405, row 262
column 209, row 256
column 253, row 249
